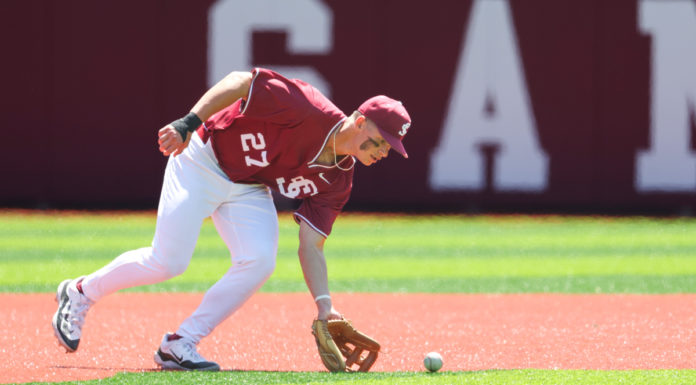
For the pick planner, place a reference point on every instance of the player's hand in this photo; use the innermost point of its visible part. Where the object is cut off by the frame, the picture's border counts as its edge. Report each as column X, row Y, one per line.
column 327, row 313
column 170, row 142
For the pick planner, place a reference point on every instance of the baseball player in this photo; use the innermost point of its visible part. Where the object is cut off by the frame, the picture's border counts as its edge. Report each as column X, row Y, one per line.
column 250, row 132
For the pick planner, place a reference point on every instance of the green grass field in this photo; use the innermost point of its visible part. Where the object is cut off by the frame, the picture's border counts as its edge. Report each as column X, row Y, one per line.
column 390, row 253
column 487, row 377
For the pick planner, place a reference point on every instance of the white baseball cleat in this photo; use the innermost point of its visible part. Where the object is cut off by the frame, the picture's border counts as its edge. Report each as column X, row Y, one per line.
column 179, row 353
column 70, row 316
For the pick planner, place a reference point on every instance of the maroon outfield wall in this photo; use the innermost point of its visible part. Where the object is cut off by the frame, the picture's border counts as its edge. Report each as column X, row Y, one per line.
column 515, row 104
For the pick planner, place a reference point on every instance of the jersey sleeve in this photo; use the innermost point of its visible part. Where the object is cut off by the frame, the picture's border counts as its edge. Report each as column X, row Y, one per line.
column 320, row 211
column 275, row 99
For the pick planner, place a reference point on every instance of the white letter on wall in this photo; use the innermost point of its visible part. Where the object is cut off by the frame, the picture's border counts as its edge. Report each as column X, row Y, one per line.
column 308, row 23
column 669, row 164
column 489, row 70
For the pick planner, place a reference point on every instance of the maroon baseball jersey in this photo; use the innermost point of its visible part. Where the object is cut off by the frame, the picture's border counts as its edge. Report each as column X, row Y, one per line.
column 275, row 137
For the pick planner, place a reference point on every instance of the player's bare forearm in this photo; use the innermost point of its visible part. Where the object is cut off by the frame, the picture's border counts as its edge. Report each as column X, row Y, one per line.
column 227, row 91
column 313, row 262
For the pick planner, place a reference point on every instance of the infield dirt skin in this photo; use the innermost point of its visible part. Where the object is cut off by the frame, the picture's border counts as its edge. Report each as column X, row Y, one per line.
column 272, row 332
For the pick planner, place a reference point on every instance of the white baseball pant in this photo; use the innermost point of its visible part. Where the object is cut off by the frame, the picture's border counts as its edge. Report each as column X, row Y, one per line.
column 244, row 215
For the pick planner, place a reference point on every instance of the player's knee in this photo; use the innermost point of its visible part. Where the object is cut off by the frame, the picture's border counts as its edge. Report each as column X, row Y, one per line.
column 262, row 265
column 170, row 265
column 266, row 267
column 175, row 268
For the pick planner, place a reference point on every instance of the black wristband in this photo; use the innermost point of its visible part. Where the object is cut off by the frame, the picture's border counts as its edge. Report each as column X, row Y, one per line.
column 186, row 124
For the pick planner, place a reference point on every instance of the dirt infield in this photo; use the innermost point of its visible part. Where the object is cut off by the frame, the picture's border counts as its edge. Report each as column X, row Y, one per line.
column 272, row 332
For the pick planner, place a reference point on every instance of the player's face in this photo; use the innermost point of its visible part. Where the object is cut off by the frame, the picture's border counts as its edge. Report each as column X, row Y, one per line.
column 373, row 147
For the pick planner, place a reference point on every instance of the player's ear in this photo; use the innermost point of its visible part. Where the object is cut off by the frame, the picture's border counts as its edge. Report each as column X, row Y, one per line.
column 360, row 121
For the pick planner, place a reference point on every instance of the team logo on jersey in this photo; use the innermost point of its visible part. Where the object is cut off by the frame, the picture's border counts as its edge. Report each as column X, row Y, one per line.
column 298, row 185
column 404, row 129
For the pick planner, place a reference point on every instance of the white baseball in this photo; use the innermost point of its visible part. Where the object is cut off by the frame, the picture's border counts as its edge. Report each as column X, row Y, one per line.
column 433, row 361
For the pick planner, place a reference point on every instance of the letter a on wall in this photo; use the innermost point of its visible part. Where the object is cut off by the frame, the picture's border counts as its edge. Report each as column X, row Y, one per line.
column 669, row 164
column 489, row 105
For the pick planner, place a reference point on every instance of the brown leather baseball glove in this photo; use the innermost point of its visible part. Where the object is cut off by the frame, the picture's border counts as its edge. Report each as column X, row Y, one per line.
column 338, row 339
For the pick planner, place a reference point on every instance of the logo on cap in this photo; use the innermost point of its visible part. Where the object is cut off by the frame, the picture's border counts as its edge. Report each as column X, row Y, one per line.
column 404, row 129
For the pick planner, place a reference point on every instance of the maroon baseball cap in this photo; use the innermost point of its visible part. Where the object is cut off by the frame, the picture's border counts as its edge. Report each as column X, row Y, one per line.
column 391, row 119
